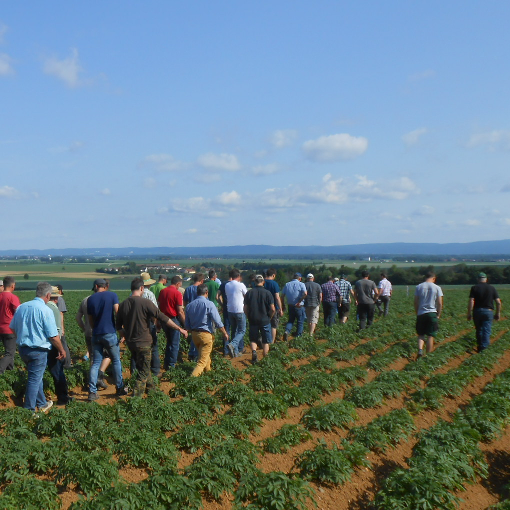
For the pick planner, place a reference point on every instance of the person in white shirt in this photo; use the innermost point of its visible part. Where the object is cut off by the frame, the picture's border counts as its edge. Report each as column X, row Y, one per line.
column 235, row 291
column 384, row 290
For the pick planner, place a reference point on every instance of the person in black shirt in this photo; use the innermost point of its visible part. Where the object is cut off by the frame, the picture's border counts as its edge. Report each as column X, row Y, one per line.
column 481, row 308
column 259, row 309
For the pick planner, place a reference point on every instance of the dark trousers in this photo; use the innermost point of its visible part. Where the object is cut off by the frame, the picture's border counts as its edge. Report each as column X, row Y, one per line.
column 366, row 315
column 7, row 361
column 482, row 318
column 68, row 362
column 155, row 361
column 383, row 300
column 141, row 355
column 330, row 308
column 56, row 368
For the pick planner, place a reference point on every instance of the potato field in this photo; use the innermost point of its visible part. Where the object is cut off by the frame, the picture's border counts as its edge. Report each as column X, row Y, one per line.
column 344, row 421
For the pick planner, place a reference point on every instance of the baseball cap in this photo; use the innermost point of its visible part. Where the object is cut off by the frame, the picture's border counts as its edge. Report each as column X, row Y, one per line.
column 297, row 275
column 482, row 275
column 309, row 275
column 100, row 282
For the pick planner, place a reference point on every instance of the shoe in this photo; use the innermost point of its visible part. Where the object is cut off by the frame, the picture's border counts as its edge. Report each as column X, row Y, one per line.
column 85, row 358
column 254, row 357
column 420, row 353
column 121, row 392
column 47, row 407
column 231, row 350
column 101, row 385
column 64, row 401
column 285, row 336
column 92, row 397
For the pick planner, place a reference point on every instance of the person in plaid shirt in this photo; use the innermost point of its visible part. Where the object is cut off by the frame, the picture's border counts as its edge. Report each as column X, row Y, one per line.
column 345, row 299
column 330, row 298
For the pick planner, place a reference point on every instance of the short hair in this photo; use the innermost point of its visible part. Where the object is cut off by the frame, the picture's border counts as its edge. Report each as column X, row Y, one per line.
column 162, row 277
column 331, row 278
column 175, row 279
column 136, row 284
column 212, row 273
column 198, row 277
column 43, row 288
column 271, row 272
column 429, row 274
column 383, row 275
column 9, row 281
column 234, row 273
column 364, row 274
column 202, row 289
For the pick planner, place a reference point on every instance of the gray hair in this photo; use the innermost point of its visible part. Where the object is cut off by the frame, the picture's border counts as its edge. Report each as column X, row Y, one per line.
column 43, row 288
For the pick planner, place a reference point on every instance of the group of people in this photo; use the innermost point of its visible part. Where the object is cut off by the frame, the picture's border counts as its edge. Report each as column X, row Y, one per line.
column 36, row 327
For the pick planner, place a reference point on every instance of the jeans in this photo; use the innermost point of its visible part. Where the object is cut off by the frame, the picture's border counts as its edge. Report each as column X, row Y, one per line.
column 296, row 312
column 36, row 361
column 366, row 315
column 110, row 343
column 482, row 317
column 7, row 361
column 386, row 301
column 330, row 309
column 56, row 368
column 226, row 324
column 173, row 341
column 142, row 356
column 238, row 329
column 155, row 361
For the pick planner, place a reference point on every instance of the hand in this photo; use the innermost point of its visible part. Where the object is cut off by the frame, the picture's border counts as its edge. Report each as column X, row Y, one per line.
column 61, row 354
column 280, row 312
column 468, row 316
column 225, row 336
column 497, row 316
column 184, row 333
column 122, row 339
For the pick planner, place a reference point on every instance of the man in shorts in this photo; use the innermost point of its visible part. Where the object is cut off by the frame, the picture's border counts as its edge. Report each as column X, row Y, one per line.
column 312, row 302
column 259, row 309
column 428, row 303
column 272, row 286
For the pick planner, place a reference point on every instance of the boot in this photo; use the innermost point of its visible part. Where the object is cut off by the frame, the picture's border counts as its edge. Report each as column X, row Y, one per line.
column 101, row 383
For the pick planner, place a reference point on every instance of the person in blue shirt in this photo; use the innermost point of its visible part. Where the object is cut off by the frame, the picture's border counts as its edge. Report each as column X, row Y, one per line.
column 36, row 331
column 295, row 292
column 190, row 294
column 201, row 314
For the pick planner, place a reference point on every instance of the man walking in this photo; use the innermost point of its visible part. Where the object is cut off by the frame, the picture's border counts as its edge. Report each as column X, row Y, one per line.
column 428, row 303
column 101, row 309
column 201, row 314
column 221, row 297
column 384, row 290
column 36, row 331
column 295, row 292
column 190, row 294
column 213, row 287
column 9, row 302
column 158, row 287
column 330, row 297
column 171, row 304
column 148, row 294
column 134, row 318
column 365, row 292
column 259, row 309
column 272, row 286
column 235, row 291
column 344, row 304
column 481, row 308
column 312, row 302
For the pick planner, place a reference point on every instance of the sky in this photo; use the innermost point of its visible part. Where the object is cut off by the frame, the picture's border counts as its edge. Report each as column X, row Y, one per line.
column 165, row 123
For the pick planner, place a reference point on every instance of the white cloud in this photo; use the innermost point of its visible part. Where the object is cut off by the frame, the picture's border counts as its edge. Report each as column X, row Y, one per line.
column 270, row 168
column 337, row 147
column 423, row 75
column 72, row 147
column 424, row 210
column 390, row 216
column 493, row 140
column 162, row 163
column 329, row 192
column 105, row 191
column 229, row 199
column 471, row 223
column 283, row 138
column 67, row 69
column 207, row 178
column 192, row 231
column 413, row 137
column 193, row 204
column 216, row 214
column 5, row 65
column 8, row 192
column 219, row 161
column 398, row 189
column 504, row 221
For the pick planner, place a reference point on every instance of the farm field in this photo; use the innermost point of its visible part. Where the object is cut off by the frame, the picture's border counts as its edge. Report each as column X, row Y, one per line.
column 343, row 421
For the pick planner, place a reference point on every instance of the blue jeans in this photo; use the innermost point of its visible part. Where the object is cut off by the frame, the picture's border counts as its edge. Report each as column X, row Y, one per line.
column 238, row 329
column 173, row 341
column 330, row 309
column 482, row 317
column 110, row 343
column 299, row 313
column 226, row 324
column 36, row 361
column 155, row 361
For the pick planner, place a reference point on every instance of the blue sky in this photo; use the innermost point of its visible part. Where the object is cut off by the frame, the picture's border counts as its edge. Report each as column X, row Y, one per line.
column 162, row 123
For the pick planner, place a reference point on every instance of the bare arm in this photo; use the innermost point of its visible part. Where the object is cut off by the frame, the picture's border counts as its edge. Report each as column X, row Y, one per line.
column 439, row 306
column 278, row 302
column 173, row 325
column 272, row 311
column 219, row 298
column 79, row 320
column 497, row 315
column 471, row 304
column 180, row 313
column 62, row 321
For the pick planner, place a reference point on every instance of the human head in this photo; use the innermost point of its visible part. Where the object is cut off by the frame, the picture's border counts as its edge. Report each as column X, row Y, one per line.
column 162, row 278
column 482, row 277
column 365, row 274
column 9, row 282
column 147, row 280
column 42, row 290
column 137, row 283
column 55, row 294
column 297, row 276
column 430, row 275
column 234, row 274
column 60, row 289
column 383, row 275
column 259, row 280
column 202, row 290
column 99, row 283
column 331, row 278
column 309, row 276
column 212, row 274
column 271, row 272
column 176, row 280
column 198, row 278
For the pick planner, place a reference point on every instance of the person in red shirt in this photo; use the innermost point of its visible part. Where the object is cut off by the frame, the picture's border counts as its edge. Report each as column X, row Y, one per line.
column 8, row 304
column 171, row 304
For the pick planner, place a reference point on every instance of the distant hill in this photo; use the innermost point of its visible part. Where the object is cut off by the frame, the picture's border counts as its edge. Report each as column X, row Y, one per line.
column 500, row 248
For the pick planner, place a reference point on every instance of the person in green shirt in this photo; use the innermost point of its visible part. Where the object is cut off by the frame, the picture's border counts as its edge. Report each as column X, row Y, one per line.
column 213, row 287
column 158, row 287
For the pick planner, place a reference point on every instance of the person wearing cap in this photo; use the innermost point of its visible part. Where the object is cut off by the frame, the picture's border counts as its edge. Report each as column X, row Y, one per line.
column 330, row 298
column 135, row 316
column 55, row 365
column 384, row 290
column 36, row 331
column 481, row 308
column 68, row 362
column 9, row 302
column 344, row 303
column 428, row 304
column 201, row 314
column 158, row 287
column 272, row 286
column 101, row 309
column 235, row 291
column 312, row 302
column 259, row 309
column 365, row 293
column 295, row 292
